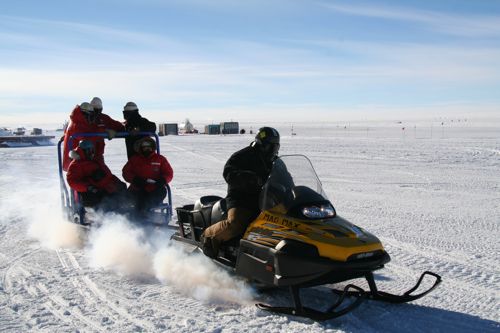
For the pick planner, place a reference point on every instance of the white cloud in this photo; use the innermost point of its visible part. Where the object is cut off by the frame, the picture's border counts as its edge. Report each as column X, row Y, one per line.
column 471, row 25
column 98, row 32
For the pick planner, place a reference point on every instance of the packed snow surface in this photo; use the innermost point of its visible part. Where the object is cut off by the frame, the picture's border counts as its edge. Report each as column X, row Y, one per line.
column 431, row 194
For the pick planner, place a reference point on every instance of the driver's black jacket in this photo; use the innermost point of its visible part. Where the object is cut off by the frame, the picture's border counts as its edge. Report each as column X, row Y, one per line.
column 245, row 172
column 140, row 124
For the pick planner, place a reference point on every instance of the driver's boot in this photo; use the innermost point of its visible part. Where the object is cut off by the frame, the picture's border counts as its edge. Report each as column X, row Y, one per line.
column 207, row 247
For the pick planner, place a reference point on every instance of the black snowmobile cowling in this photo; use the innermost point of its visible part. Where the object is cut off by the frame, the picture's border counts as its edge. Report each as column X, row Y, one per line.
column 298, row 241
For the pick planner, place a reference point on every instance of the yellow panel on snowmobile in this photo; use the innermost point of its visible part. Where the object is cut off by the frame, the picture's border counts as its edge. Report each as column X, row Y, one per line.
column 335, row 238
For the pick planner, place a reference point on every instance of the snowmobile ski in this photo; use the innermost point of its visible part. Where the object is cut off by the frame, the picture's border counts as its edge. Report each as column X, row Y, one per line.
column 375, row 294
column 333, row 311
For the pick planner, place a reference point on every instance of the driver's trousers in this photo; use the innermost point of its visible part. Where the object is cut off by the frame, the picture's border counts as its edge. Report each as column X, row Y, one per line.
column 238, row 219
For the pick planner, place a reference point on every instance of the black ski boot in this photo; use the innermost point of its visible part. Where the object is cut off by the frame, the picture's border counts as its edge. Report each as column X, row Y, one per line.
column 206, row 247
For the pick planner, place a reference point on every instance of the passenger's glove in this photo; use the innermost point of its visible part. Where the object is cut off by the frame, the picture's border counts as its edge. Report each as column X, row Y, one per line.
column 160, row 182
column 139, row 182
column 74, row 155
column 92, row 189
column 111, row 133
column 97, row 175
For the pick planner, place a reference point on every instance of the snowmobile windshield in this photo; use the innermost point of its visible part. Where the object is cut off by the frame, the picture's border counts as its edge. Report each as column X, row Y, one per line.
column 293, row 188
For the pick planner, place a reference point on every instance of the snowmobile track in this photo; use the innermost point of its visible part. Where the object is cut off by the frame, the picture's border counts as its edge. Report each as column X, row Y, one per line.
column 93, row 295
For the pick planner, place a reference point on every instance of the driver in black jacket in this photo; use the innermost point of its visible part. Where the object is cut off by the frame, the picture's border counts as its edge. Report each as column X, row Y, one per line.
column 134, row 123
column 245, row 172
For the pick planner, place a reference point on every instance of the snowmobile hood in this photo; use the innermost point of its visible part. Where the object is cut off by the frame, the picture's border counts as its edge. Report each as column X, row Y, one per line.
column 335, row 238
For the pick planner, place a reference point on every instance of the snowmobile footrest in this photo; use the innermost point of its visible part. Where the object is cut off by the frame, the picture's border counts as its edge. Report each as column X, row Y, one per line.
column 332, row 312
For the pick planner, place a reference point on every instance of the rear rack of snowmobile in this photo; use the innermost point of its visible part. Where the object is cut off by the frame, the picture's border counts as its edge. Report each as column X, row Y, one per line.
column 194, row 219
column 190, row 232
column 71, row 201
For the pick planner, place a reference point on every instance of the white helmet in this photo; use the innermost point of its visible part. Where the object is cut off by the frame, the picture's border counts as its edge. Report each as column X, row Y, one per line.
column 96, row 103
column 87, row 108
column 130, row 106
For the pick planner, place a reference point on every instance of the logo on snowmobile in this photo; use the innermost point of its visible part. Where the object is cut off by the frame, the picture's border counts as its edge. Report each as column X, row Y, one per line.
column 283, row 221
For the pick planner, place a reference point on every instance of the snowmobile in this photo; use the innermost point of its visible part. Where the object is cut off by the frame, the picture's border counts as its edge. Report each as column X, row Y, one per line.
column 76, row 213
column 298, row 241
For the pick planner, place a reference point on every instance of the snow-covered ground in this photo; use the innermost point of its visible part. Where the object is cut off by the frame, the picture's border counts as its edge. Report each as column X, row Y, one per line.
column 430, row 193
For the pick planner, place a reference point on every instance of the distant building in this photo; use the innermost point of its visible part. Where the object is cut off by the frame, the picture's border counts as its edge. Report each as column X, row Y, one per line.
column 212, row 129
column 36, row 131
column 230, row 127
column 168, row 129
column 19, row 131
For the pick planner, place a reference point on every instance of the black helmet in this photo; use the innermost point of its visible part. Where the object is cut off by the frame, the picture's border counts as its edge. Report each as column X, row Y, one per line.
column 268, row 141
column 88, row 149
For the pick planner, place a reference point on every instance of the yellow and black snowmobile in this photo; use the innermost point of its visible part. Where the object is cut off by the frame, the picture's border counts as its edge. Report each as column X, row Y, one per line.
column 298, row 241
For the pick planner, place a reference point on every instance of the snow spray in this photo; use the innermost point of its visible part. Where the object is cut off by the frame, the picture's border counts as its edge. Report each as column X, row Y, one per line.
column 199, row 277
column 120, row 246
column 129, row 250
column 40, row 208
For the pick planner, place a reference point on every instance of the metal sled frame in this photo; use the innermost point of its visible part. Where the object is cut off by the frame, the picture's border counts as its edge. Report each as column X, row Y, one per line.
column 70, row 199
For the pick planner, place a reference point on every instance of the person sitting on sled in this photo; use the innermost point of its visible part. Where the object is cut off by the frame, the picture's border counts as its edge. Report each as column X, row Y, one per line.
column 85, row 119
column 90, row 177
column 245, row 172
column 147, row 172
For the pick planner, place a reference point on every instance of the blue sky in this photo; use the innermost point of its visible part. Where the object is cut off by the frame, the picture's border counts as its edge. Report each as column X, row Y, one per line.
column 272, row 60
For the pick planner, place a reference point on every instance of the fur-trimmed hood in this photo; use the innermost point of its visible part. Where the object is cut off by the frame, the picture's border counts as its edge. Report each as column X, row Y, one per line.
column 138, row 143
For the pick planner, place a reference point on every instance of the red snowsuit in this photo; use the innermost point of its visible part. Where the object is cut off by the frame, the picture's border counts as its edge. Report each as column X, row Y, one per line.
column 154, row 166
column 78, row 124
column 80, row 172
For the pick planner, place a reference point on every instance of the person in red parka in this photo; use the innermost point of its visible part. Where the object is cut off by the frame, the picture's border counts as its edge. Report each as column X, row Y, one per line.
column 85, row 119
column 90, row 177
column 105, row 122
column 147, row 172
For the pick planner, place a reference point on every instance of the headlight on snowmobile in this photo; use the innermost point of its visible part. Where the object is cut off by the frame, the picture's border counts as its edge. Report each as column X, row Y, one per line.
column 319, row 212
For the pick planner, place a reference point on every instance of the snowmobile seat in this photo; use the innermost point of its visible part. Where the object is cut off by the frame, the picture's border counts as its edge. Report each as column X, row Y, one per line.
column 219, row 212
column 204, row 206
